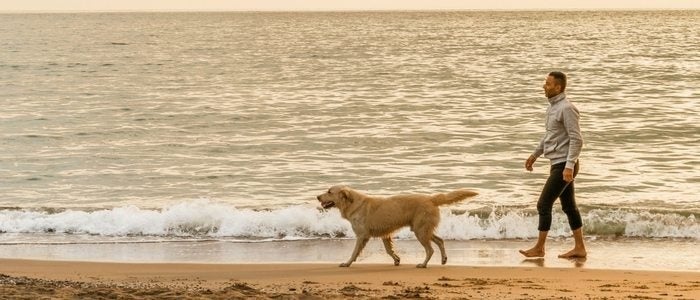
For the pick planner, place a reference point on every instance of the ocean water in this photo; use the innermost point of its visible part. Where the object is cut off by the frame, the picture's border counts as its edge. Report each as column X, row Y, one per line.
column 189, row 127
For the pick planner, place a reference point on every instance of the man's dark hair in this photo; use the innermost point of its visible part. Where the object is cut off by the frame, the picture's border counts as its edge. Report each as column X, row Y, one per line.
column 560, row 78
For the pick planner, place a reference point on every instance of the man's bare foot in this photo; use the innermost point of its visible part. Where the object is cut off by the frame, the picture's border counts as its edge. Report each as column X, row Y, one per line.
column 575, row 253
column 534, row 252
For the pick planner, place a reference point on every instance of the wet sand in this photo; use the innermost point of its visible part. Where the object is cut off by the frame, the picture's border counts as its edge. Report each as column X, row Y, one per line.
column 31, row 279
column 667, row 255
column 309, row 270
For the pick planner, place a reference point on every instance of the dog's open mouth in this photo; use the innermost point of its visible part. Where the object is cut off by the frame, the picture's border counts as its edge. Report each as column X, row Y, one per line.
column 327, row 204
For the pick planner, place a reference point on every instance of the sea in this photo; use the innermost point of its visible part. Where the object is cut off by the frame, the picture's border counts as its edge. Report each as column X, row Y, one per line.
column 206, row 136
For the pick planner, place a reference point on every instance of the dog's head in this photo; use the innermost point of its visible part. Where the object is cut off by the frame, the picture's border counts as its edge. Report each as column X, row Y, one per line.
column 338, row 196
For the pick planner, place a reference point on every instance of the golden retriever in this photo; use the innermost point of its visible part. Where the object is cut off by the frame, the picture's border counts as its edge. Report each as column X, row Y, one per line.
column 380, row 217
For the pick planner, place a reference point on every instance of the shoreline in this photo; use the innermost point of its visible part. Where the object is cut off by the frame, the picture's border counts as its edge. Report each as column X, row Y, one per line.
column 602, row 254
column 66, row 279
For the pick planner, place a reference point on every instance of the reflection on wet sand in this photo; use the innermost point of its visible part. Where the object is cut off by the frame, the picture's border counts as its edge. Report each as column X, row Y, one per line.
column 578, row 261
column 538, row 261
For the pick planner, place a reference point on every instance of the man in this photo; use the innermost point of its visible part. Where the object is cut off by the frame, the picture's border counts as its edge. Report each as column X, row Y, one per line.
column 562, row 145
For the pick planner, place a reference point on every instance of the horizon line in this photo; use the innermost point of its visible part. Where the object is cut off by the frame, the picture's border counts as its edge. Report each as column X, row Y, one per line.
column 339, row 10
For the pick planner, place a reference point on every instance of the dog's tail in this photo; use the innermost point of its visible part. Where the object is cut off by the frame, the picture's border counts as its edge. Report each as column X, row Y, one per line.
column 452, row 197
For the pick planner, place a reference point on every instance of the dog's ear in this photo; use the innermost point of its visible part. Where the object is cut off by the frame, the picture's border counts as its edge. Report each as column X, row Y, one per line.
column 346, row 194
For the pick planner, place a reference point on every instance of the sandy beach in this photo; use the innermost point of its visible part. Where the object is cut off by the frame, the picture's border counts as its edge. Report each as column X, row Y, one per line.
column 171, row 153
column 31, row 279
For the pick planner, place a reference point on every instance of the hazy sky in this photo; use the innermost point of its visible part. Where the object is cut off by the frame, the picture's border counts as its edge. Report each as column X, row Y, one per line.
column 101, row 5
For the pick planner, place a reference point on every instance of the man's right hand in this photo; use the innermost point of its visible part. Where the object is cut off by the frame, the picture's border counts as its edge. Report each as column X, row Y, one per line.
column 529, row 162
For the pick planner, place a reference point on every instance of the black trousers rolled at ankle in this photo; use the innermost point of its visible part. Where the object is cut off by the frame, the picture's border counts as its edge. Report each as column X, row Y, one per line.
column 555, row 188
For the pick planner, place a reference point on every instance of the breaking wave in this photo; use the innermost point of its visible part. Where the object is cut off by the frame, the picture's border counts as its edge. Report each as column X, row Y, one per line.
column 207, row 220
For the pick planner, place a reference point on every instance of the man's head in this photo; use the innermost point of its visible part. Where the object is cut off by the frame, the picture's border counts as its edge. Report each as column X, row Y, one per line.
column 555, row 84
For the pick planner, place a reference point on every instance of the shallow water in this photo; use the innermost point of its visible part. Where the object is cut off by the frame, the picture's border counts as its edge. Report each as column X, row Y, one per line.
column 603, row 254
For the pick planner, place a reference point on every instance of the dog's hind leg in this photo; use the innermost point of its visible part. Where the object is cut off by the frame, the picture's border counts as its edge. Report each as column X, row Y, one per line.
column 359, row 245
column 441, row 244
column 389, row 246
column 424, row 239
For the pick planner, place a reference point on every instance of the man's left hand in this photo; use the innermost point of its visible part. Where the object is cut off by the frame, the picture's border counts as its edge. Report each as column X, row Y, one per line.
column 568, row 175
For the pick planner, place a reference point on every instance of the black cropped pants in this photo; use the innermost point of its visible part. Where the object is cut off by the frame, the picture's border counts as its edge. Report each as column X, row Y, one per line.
column 555, row 188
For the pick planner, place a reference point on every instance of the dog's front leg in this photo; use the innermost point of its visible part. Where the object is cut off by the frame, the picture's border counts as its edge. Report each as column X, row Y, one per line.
column 389, row 246
column 359, row 245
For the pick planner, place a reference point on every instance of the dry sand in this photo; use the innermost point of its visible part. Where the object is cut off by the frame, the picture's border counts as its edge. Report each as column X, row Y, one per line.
column 32, row 279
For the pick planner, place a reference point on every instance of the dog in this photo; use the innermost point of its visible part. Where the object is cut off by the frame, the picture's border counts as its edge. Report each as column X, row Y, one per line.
column 380, row 217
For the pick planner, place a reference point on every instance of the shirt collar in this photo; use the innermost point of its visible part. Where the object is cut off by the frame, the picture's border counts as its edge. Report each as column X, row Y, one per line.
column 557, row 98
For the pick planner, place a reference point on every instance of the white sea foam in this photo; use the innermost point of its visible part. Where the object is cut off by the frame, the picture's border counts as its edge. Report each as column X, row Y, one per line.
column 203, row 219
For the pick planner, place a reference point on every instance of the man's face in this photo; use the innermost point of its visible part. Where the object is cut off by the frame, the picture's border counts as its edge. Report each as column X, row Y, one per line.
column 551, row 87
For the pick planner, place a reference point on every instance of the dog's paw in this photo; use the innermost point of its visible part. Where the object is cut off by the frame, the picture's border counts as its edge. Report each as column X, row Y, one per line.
column 421, row 266
column 397, row 262
column 444, row 260
column 344, row 265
